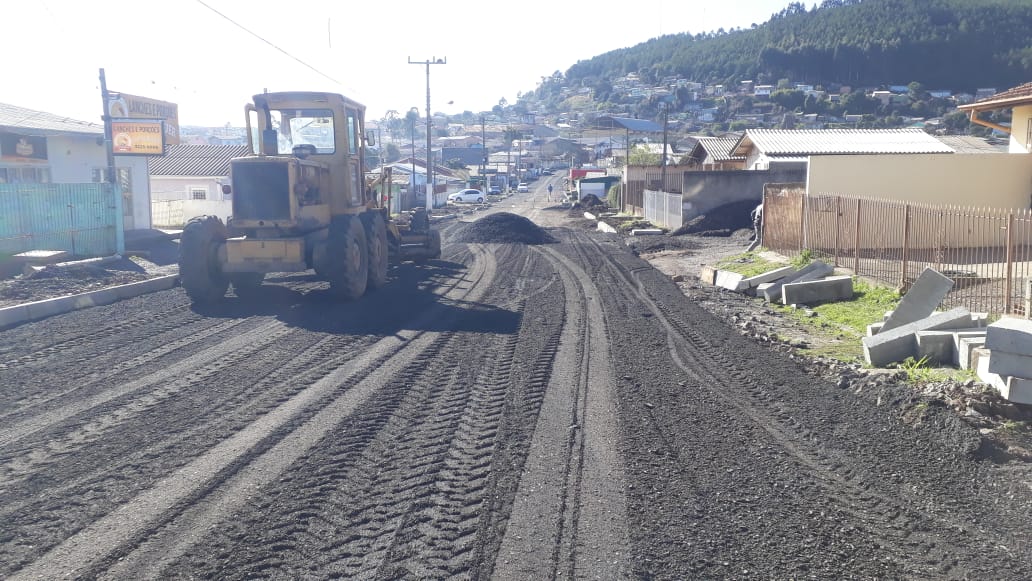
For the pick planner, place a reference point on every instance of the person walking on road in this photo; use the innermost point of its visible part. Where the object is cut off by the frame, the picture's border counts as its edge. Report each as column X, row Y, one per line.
column 549, row 192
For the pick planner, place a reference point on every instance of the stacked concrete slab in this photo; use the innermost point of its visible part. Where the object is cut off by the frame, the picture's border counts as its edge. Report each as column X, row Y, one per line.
column 1008, row 366
column 915, row 329
column 816, row 270
column 924, row 295
column 896, row 345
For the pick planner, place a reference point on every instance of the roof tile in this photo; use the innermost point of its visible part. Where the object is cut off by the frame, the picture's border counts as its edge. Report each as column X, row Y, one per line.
column 195, row 160
column 33, row 122
column 795, row 142
column 1017, row 96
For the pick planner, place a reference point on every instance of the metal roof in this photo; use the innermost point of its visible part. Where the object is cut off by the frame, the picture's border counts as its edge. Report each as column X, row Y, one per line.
column 195, row 160
column 972, row 144
column 627, row 123
column 795, row 142
column 720, row 148
column 1020, row 95
column 40, row 123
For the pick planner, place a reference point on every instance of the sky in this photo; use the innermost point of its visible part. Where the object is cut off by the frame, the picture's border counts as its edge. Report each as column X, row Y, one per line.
column 210, row 56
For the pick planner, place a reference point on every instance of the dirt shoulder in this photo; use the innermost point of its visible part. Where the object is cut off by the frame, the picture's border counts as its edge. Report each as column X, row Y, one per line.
column 1006, row 428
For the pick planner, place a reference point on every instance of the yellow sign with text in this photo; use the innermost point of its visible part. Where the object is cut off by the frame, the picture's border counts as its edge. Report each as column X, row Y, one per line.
column 137, row 137
column 124, row 105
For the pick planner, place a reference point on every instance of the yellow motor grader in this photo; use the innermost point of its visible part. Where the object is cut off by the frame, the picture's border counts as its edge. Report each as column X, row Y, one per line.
column 300, row 202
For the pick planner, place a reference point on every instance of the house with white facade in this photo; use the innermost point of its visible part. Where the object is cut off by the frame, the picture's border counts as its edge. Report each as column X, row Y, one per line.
column 188, row 181
column 37, row 147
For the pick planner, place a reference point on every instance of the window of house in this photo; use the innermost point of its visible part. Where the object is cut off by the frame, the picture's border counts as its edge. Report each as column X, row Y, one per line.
column 25, row 175
column 198, row 193
column 125, row 177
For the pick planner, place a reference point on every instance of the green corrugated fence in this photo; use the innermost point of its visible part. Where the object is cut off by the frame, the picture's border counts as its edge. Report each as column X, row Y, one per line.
column 80, row 218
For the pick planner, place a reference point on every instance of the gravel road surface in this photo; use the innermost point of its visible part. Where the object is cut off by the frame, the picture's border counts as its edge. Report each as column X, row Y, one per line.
column 533, row 405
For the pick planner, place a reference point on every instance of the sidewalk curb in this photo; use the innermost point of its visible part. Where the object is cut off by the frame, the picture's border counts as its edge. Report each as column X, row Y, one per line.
column 18, row 314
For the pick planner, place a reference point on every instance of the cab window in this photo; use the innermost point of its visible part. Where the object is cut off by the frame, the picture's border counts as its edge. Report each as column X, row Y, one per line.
column 304, row 127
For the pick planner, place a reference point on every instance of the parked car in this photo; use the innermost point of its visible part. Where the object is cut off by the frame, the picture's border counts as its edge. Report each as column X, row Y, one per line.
column 495, row 190
column 523, row 187
column 467, row 196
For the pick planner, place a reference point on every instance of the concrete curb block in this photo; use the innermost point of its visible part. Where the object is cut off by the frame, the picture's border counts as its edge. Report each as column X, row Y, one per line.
column 18, row 314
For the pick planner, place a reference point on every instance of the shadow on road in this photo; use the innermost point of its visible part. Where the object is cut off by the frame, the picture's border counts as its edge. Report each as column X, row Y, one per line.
column 399, row 305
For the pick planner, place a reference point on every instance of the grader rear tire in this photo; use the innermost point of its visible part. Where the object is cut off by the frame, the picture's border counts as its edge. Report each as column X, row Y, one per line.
column 348, row 267
column 199, row 270
column 434, row 244
column 376, row 237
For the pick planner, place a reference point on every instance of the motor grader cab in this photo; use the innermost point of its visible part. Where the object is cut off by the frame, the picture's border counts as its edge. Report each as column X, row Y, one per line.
column 300, row 201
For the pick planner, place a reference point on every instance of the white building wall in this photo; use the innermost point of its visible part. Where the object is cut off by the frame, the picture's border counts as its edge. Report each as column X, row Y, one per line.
column 1021, row 130
column 73, row 159
column 988, row 180
column 181, row 187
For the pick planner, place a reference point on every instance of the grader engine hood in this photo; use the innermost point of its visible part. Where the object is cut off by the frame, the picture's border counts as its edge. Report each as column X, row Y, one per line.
column 279, row 192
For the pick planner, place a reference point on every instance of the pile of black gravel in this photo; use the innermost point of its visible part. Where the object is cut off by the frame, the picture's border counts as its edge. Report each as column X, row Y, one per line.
column 590, row 203
column 503, row 228
column 720, row 221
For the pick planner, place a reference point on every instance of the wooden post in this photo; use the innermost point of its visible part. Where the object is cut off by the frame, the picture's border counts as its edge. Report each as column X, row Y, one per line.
column 838, row 229
column 802, row 225
column 856, row 241
column 1008, row 288
column 906, row 248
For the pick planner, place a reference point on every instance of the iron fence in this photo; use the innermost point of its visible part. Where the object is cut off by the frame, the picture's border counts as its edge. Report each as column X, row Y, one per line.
column 83, row 219
column 663, row 209
column 986, row 251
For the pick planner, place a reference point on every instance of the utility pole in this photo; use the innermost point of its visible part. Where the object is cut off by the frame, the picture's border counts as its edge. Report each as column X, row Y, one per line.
column 483, row 164
column 429, row 125
column 107, row 129
column 111, row 177
column 662, row 172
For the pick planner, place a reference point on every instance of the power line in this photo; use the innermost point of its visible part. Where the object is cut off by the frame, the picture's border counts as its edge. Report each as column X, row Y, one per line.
column 261, row 38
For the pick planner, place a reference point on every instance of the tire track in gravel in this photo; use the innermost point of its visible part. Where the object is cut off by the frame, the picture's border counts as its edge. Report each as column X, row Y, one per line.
column 93, row 337
column 437, row 535
column 168, row 380
column 186, row 432
column 161, row 523
column 407, row 491
column 901, row 527
column 584, row 502
column 210, row 331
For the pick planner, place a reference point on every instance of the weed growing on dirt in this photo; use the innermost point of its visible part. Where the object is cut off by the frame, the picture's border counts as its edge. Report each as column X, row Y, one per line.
column 1016, row 427
column 919, row 371
column 805, row 257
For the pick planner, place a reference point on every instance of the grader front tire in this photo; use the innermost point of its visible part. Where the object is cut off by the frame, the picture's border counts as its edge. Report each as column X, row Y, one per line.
column 199, row 270
column 376, row 237
column 348, row 265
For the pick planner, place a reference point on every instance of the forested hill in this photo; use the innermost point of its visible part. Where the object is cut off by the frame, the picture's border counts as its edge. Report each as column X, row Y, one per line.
column 950, row 44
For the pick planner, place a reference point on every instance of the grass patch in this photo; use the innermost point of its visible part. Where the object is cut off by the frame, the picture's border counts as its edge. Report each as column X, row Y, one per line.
column 748, row 264
column 867, row 306
column 845, row 322
column 1016, row 427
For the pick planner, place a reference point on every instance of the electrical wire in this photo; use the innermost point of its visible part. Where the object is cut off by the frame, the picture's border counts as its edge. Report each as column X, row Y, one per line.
column 261, row 38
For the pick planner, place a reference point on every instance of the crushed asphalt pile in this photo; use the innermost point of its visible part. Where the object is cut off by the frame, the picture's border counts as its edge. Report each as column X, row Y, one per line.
column 589, row 203
column 503, row 228
column 720, row 221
